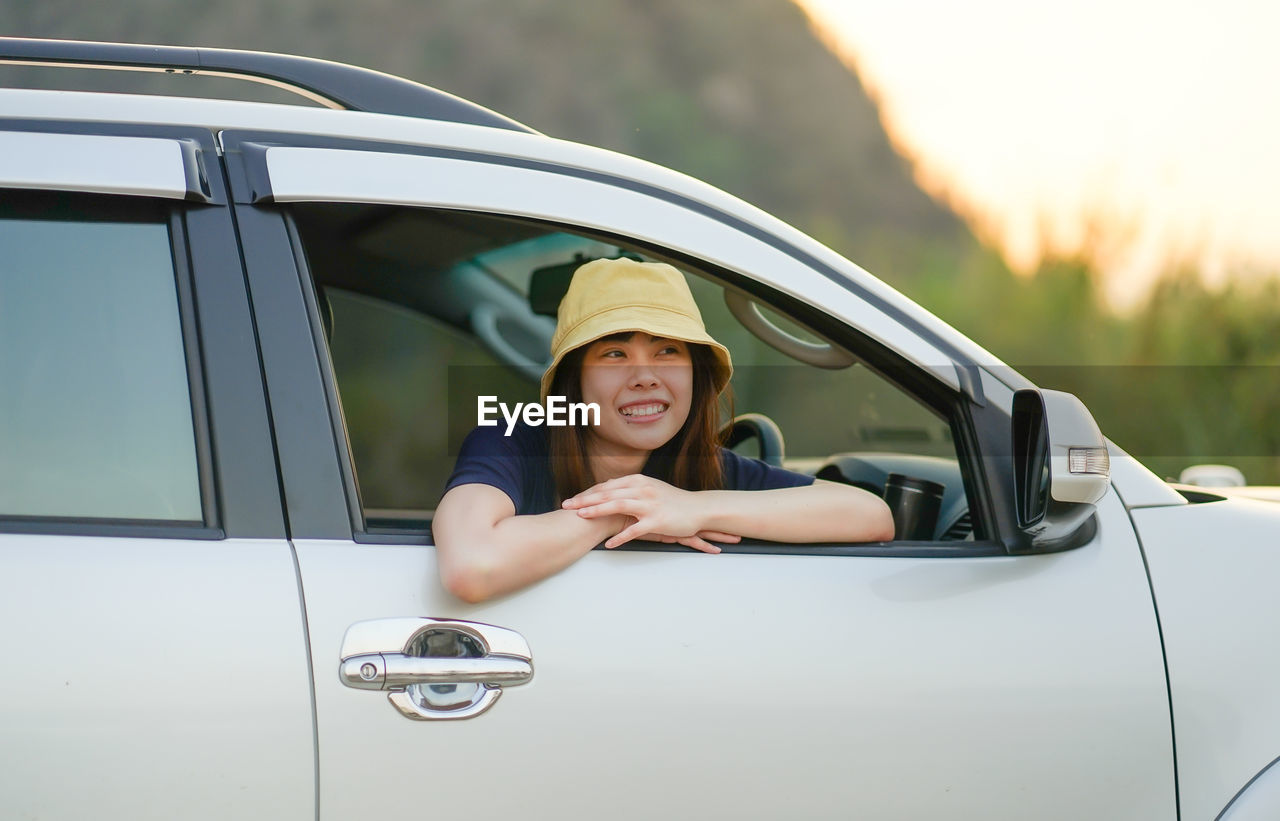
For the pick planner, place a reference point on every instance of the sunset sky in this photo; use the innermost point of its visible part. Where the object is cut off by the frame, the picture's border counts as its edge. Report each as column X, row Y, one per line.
column 1152, row 127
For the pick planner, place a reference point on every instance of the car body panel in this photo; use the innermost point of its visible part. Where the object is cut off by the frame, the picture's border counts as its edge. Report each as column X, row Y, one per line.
column 1214, row 568
column 1137, row 485
column 1259, row 800
column 153, row 678
column 802, row 686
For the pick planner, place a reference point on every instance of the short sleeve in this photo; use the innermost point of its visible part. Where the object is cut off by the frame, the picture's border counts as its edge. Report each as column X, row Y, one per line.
column 516, row 464
column 742, row 473
column 489, row 458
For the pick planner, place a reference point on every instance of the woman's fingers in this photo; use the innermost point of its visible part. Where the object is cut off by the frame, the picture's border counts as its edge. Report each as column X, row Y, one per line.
column 706, row 536
column 660, row 512
column 587, row 498
column 697, row 543
column 634, row 485
column 629, row 507
column 635, row 531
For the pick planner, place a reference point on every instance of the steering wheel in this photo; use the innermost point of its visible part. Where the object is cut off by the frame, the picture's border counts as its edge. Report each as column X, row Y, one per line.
column 756, row 425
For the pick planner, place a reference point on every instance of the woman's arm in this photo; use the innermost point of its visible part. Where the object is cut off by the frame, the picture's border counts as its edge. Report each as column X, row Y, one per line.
column 484, row 549
column 821, row 512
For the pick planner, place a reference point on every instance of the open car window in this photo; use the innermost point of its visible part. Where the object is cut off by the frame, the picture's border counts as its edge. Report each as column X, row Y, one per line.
column 425, row 310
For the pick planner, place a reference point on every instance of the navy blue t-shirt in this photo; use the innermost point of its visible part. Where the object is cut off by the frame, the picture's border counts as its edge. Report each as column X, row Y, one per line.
column 518, row 465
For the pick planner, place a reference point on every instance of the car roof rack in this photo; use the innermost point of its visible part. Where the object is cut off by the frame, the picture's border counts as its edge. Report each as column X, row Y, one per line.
column 334, row 85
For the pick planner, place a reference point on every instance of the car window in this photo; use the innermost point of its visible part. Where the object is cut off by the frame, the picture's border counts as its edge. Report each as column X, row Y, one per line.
column 401, row 375
column 95, row 405
column 425, row 311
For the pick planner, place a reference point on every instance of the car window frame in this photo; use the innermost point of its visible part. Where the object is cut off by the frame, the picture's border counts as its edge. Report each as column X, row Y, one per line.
column 320, row 504
column 949, row 404
column 234, row 443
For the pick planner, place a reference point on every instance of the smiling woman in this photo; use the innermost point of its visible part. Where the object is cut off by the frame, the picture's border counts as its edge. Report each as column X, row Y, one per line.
column 630, row 340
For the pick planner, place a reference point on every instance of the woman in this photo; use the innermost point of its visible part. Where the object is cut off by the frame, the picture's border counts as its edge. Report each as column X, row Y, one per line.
column 630, row 339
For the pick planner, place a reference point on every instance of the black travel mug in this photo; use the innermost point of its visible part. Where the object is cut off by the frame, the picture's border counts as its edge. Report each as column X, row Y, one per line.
column 915, row 504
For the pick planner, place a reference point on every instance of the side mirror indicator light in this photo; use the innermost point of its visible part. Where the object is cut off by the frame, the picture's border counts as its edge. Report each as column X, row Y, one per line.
column 1094, row 461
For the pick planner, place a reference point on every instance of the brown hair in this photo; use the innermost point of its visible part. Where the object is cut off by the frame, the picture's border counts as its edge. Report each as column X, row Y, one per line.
column 689, row 460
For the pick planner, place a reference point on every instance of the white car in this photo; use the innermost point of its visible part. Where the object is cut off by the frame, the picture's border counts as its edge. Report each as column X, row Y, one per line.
column 239, row 344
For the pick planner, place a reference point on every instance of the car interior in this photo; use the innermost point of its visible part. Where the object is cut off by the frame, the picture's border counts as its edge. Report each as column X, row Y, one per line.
column 425, row 310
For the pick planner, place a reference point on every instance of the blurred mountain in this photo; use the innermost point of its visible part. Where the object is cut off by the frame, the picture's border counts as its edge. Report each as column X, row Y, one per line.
column 740, row 93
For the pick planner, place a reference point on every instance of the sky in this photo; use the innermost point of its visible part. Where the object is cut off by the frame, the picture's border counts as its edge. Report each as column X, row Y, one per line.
column 1147, row 132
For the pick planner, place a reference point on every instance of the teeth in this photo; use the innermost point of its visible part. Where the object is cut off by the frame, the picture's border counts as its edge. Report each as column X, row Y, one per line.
column 643, row 410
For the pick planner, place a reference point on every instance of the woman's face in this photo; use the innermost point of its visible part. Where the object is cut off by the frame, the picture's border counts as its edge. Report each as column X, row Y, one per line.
column 644, row 387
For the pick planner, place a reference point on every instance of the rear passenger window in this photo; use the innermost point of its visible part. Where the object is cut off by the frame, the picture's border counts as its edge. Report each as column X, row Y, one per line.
column 95, row 404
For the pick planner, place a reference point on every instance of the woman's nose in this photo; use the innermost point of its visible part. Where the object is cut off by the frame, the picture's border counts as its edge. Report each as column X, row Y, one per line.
column 645, row 375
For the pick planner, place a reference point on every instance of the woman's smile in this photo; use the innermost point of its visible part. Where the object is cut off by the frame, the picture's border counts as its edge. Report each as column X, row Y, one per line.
column 645, row 411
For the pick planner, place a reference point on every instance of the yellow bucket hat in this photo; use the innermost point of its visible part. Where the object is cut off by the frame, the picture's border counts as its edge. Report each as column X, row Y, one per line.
column 609, row 296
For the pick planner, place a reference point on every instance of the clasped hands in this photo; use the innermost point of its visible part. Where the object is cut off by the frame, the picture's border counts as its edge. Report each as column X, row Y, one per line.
column 659, row 512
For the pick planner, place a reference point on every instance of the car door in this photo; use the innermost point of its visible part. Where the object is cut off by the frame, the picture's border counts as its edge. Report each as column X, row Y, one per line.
column 913, row 680
column 155, row 661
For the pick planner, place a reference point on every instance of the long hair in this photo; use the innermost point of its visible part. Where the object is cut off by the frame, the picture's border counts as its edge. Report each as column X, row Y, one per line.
column 689, row 460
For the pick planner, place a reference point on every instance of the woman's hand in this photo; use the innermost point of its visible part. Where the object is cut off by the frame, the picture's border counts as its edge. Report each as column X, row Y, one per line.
column 697, row 541
column 661, row 512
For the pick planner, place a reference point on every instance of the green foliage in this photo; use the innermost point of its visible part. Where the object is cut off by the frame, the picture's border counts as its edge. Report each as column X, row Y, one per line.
column 1190, row 377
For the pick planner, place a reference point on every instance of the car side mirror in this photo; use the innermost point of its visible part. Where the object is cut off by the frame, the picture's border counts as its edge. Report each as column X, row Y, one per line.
column 1061, row 469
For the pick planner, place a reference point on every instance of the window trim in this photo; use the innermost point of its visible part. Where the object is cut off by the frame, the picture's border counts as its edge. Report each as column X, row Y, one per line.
column 328, row 378
column 200, row 183
column 180, row 247
column 148, row 167
column 91, row 526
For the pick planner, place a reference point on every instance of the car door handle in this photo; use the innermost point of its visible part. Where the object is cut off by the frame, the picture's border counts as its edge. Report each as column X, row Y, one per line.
column 434, row 669
column 394, row 671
